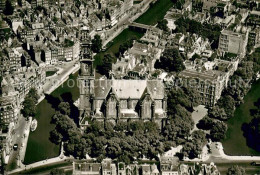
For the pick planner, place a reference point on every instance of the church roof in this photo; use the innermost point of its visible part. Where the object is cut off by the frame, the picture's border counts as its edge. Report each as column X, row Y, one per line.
column 125, row 89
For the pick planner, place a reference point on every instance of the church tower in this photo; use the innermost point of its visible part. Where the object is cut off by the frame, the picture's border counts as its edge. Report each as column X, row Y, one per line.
column 86, row 78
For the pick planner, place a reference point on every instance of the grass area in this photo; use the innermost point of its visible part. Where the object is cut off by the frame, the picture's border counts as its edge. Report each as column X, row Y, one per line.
column 39, row 146
column 155, row 13
column 113, row 47
column 235, row 142
column 50, row 73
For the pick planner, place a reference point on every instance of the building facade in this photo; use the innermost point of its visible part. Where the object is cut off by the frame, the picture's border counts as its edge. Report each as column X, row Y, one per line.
column 232, row 42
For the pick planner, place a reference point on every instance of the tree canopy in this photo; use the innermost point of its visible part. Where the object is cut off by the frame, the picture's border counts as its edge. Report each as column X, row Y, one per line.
column 96, row 44
column 9, row 9
column 162, row 24
column 106, row 65
column 171, row 61
column 236, row 170
column 29, row 103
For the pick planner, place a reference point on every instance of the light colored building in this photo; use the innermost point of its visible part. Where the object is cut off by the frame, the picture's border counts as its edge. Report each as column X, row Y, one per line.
column 208, row 78
column 169, row 166
column 107, row 167
column 232, row 42
column 84, row 168
column 9, row 103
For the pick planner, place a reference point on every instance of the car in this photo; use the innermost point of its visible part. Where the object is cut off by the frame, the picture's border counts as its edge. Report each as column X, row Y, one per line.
column 255, row 163
column 15, row 147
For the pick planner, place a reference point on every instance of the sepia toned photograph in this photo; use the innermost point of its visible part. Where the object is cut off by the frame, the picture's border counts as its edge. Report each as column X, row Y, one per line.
column 129, row 87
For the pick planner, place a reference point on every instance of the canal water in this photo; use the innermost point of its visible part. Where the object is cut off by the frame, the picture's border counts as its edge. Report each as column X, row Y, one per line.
column 235, row 142
column 39, row 146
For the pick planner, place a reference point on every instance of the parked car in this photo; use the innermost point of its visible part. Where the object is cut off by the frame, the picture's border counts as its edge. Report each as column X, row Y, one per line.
column 15, row 147
column 255, row 163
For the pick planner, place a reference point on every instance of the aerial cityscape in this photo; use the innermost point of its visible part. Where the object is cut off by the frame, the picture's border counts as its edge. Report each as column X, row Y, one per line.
column 130, row 87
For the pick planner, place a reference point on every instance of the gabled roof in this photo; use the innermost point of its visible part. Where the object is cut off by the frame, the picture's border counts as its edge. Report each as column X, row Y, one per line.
column 124, row 89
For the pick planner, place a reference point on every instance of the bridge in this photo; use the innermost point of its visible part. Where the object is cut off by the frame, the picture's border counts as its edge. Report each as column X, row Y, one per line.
column 140, row 26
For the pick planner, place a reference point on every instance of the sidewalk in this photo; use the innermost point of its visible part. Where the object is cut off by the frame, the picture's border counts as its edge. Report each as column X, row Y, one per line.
column 58, row 159
column 246, row 158
column 60, row 77
column 39, row 164
column 217, row 151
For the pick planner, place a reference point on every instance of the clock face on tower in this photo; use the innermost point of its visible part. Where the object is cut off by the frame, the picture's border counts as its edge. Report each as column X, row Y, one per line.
column 85, row 68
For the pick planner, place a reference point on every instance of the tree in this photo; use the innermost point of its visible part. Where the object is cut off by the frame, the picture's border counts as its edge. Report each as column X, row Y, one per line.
column 64, row 108
column 218, row 113
column 33, row 94
column 193, row 147
column 252, row 129
column 96, row 44
column 195, row 56
column 171, row 61
column 29, row 107
column 123, row 47
column 162, row 24
column 29, row 103
column 106, row 66
column 178, row 129
column 218, row 131
column 236, row 170
column 9, row 9
column 55, row 137
column 185, row 96
column 206, row 123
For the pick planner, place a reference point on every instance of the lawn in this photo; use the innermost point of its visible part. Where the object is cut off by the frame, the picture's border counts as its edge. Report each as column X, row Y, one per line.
column 235, row 142
column 39, row 146
column 155, row 13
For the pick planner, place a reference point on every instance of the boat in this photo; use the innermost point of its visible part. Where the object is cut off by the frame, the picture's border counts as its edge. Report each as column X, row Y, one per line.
column 34, row 125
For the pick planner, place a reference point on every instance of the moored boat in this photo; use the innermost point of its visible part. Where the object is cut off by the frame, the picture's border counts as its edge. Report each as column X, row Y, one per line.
column 34, row 125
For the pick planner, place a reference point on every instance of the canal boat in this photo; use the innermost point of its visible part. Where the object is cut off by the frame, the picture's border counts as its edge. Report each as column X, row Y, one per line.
column 34, row 125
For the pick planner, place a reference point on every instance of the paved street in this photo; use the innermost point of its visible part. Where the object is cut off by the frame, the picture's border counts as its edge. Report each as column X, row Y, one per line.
column 65, row 69
column 20, row 137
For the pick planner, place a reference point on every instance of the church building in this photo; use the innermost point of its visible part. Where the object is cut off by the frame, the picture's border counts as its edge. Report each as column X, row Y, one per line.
column 118, row 99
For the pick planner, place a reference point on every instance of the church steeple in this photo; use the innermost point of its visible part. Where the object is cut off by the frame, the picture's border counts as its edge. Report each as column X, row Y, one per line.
column 86, row 79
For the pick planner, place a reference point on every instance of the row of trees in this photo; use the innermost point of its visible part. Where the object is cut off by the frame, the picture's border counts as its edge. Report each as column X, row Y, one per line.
column 29, row 103
column 237, row 88
column 252, row 129
column 124, row 141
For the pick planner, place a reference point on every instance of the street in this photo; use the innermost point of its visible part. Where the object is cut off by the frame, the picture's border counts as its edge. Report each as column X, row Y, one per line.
column 20, row 137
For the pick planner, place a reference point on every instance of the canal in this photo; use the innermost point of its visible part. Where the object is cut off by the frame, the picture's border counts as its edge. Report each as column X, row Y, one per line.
column 39, row 146
column 235, row 142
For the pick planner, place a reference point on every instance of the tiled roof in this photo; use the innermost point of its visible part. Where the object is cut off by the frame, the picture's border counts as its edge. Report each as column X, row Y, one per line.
column 124, row 89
